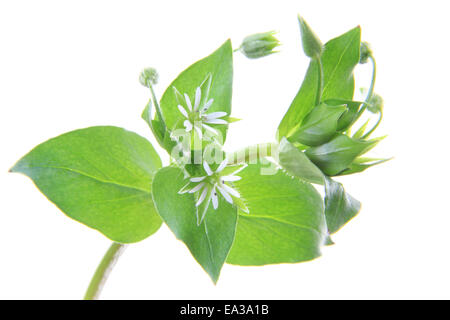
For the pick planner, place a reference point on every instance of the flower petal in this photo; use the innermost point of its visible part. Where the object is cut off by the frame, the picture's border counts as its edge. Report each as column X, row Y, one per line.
column 187, row 125
column 214, row 198
column 225, row 194
column 183, row 111
column 215, row 121
column 232, row 191
column 207, row 105
column 188, row 101
column 214, row 115
column 207, row 168
column 222, row 165
column 197, row 187
column 197, row 179
column 198, row 95
column 202, row 197
column 210, row 129
column 230, row 178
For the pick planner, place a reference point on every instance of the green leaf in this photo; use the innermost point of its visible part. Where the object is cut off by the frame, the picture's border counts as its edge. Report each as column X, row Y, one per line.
column 158, row 129
column 208, row 242
column 101, row 177
column 286, row 223
column 312, row 46
column 339, row 58
column 296, row 163
column 319, row 126
column 360, row 132
column 350, row 116
column 340, row 207
column 362, row 164
column 217, row 70
column 337, row 155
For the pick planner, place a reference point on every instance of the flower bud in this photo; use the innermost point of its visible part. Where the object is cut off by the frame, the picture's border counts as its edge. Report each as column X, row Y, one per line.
column 366, row 52
column 259, row 45
column 148, row 77
column 312, row 46
column 375, row 104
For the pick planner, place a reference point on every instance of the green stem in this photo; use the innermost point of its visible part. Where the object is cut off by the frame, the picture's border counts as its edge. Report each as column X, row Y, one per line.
column 253, row 153
column 157, row 107
column 374, row 127
column 371, row 89
column 103, row 271
column 320, row 84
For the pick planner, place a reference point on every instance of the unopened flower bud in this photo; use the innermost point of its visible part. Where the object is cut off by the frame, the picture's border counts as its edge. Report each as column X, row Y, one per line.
column 312, row 46
column 375, row 104
column 366, row 52
column 259, row 45
column 148, row 77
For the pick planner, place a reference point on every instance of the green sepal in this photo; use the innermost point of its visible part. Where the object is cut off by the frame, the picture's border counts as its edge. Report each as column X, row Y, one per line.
column 340, row 207
column 361, row 164
column 297, row 164
column 338, row 154
column 360, row 132
column 349, row 116
column 319, row 126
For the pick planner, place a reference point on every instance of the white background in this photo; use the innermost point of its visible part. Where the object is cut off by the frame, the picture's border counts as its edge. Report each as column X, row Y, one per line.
column 71, row 64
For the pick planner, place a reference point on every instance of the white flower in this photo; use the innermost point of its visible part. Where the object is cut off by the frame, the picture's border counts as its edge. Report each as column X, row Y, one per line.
column 196, row 115
column 212, row 184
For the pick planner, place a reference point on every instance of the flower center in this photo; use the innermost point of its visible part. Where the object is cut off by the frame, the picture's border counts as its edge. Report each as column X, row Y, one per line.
column 195, row 116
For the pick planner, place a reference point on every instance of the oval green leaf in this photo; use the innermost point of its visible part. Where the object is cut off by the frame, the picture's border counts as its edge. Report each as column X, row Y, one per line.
column 286, row 223
column 209, row 242
column 101, row 177
column 215, row 72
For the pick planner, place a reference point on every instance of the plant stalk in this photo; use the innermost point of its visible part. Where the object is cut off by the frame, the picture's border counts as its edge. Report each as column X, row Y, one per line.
column 157, row 107
column 103, row 270
column 371, row 89
column 320, row 83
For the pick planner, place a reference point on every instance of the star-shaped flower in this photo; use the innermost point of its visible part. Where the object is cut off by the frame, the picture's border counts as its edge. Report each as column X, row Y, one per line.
column 196, row 115
column 208, row 187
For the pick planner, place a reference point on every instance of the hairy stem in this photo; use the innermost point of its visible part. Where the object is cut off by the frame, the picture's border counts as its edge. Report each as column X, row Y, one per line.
column 103, row 270
column 320, row 83
column 371, row 89
column 157, row 107
column 380, row 117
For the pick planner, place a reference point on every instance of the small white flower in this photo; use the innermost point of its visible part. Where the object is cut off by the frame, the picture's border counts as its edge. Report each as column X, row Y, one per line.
column 196, row 115
column 213, row 182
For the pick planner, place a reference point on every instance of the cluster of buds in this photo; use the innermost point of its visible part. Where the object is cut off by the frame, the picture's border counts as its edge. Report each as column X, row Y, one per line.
column 325, row 133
